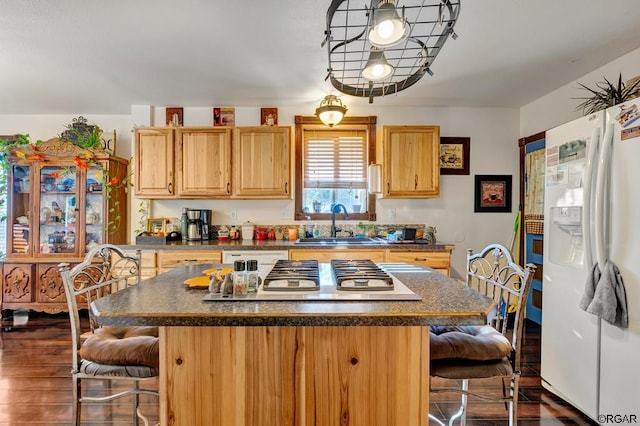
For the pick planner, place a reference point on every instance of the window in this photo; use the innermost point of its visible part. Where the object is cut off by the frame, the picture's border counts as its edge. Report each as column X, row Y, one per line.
column 331, row 167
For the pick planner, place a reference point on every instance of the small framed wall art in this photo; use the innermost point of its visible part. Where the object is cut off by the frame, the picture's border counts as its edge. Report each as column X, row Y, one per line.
column 454, row 155
column 224, row 116
column 269, row 116
column 492, row 194
column 174, row 116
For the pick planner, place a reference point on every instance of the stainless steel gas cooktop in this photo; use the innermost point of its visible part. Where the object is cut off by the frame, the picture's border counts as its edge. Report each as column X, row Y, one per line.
column 308, row 280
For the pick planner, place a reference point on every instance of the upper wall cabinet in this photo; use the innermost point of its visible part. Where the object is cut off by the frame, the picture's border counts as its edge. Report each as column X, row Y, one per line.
column 197, row 162
column 154, row 163
column 204, row 166
column 411, row 161
column 183, row 162
column 261, row 162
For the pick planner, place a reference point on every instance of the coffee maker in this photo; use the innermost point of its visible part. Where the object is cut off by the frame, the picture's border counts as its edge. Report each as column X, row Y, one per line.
column 194, row 225
column 205, row 224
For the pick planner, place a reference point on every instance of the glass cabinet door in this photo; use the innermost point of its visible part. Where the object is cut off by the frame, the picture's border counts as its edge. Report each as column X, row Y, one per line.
column 58, row 210
column 19, row 214
column 94, row 214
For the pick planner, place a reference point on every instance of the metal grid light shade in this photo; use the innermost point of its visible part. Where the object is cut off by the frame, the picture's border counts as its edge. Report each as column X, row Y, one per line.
column 423, row 27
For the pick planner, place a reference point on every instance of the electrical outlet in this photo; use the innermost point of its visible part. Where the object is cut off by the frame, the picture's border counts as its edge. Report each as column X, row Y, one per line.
column 234, row 214
column 392, row 213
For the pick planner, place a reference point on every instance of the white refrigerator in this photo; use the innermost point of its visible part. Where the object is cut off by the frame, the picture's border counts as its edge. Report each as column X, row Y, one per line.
column 592, row 213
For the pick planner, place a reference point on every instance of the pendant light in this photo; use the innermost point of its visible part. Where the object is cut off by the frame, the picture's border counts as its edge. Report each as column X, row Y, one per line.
column 377, row 67
column 331, row 110
column 387, row 27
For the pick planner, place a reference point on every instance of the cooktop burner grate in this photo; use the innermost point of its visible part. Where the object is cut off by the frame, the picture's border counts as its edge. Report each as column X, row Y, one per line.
column 358, row 275
column 293, row 275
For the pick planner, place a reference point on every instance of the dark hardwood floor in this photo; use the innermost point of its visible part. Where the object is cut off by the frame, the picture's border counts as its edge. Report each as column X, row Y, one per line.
column 35, row 384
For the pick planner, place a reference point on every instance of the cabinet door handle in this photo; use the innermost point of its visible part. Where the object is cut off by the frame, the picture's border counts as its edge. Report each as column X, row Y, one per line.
column 420, row 259
column 170, row 188
column 286, row 187
column 388, row 188
column 228, row 187
column 416, row 183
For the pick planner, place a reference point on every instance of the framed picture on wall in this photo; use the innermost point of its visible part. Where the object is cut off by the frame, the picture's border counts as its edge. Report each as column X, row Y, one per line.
column 173, row 116
column 269, row 116
column 454, row 155
column 492, row 194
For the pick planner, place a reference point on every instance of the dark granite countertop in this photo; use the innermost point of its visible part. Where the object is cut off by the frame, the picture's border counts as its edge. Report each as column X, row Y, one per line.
column 283, row 245
column 165, row 301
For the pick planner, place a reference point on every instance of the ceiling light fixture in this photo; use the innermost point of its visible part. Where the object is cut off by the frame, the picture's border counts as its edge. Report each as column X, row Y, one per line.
column 377, row 67
column 331, row 110
column 387, row 28
column 404, row 36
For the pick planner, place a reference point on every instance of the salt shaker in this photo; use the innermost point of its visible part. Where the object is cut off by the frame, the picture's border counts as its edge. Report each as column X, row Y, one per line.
column 239, row 278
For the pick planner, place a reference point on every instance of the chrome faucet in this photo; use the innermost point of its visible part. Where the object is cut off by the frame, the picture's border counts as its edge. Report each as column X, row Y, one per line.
column 336, row 209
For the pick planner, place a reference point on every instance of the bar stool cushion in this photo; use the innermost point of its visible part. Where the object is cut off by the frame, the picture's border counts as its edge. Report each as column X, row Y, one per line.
column 122, row 346
column 478, row 343
column 469, row 369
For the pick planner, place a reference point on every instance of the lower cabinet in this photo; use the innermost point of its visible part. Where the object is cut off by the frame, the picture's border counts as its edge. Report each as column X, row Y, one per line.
column 148, row 266
column 327, row 255
column 436, row 260
column 439, row 260
column 169, row 259
column 33, row 286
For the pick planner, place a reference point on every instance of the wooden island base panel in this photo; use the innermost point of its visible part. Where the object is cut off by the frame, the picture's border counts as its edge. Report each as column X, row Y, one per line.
column 356, row 376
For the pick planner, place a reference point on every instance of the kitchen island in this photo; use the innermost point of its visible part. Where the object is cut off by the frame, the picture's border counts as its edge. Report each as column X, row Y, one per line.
column 294, row 363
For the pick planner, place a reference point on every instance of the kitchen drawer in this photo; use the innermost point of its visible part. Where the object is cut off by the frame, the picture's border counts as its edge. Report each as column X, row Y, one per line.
column 327, row 255
column 438, row 260
column 148, row 266
column 168, row 259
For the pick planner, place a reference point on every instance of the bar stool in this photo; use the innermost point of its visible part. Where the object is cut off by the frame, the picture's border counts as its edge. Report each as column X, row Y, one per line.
column 493, row 351
column 107, row 353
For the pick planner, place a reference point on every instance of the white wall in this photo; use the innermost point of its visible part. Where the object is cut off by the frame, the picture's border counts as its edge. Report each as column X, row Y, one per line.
column 494, row 150
column 559, row 106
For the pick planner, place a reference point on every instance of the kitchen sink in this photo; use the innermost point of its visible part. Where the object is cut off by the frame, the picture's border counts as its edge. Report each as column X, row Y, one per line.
column 338, row 241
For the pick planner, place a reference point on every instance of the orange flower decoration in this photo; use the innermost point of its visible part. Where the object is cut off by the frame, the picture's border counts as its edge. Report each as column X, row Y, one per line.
column 80, row 163
column 113, row 181
column 36, row 157
column 88, row 156
column 55, row 175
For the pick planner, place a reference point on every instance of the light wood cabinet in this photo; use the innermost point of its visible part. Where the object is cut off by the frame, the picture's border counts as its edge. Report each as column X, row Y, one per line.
column 169, row 259
column 328, row 254
column 437, row 260
column 411, row 161
column 154, row 170
column 262, row 162
column 148, row 265
column 198, row 162
column 204, row 162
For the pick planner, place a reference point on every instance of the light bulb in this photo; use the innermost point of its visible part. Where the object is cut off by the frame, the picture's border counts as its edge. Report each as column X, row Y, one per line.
column 385, row 29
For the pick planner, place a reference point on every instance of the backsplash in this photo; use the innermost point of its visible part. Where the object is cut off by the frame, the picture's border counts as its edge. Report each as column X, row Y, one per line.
column 324, row 230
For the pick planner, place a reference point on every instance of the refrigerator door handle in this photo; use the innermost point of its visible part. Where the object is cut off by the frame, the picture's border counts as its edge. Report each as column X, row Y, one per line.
column 604, row 162
column 588, row 196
